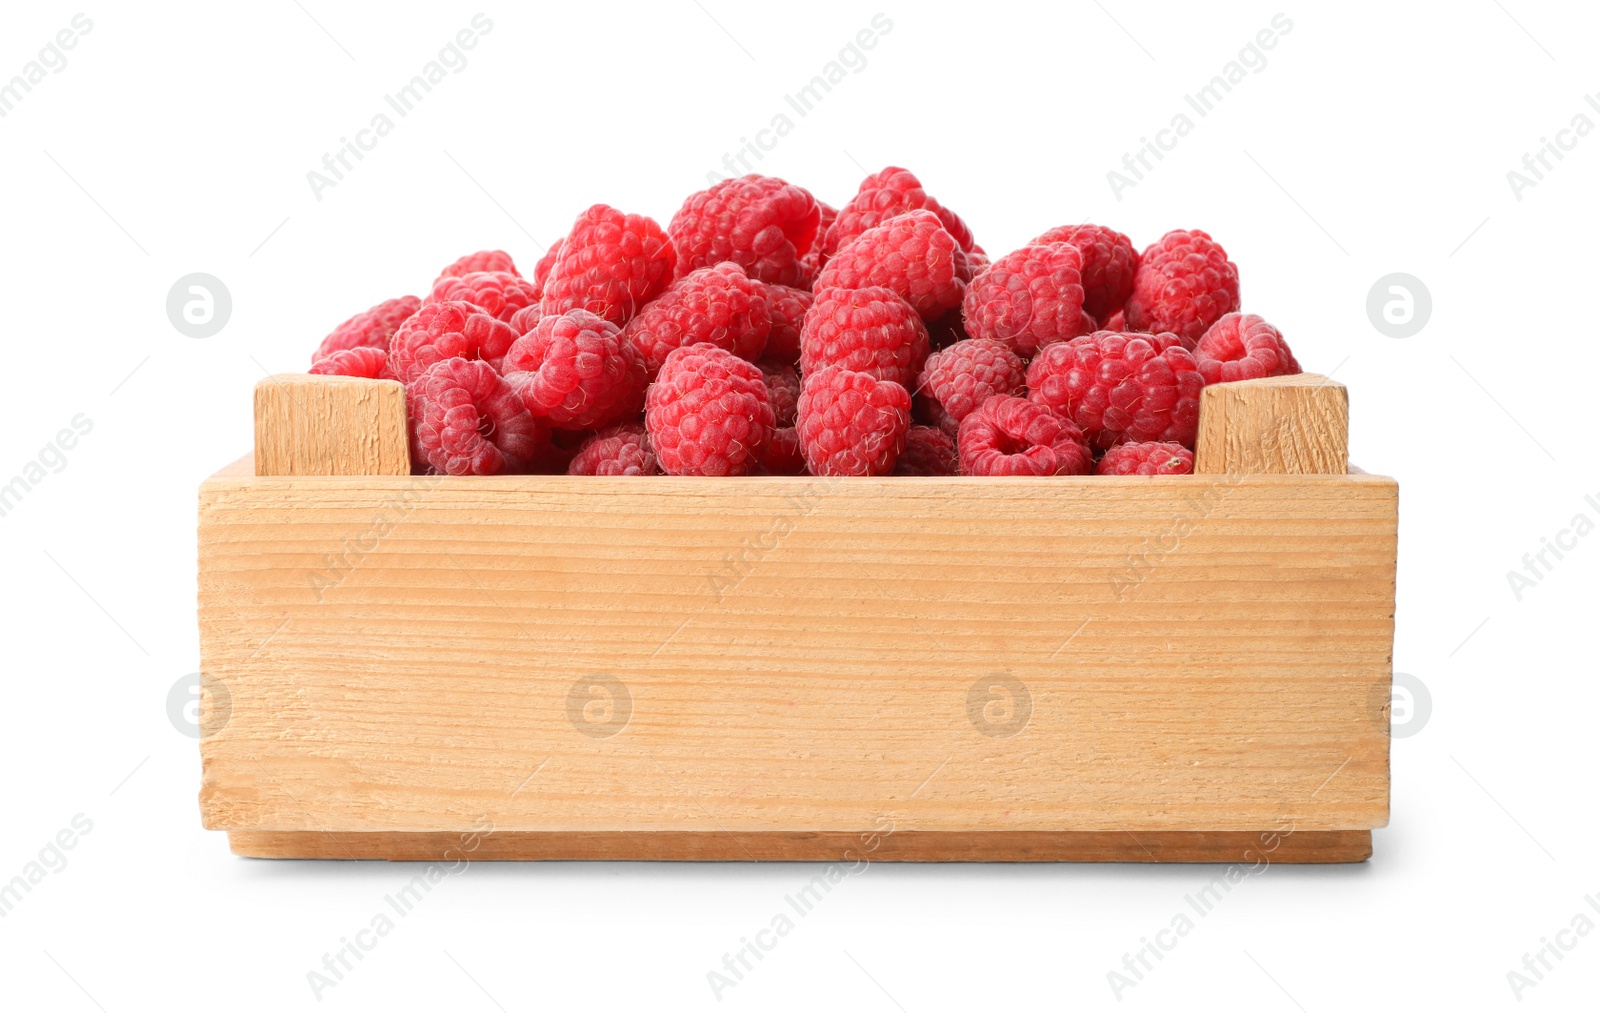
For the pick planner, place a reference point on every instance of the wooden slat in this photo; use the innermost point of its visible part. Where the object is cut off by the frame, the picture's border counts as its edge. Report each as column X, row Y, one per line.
column 1284, row 425
column 852, row 849
column 330, row 425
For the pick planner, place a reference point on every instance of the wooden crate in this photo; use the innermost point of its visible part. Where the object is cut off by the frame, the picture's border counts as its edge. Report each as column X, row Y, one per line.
column 1186, row 668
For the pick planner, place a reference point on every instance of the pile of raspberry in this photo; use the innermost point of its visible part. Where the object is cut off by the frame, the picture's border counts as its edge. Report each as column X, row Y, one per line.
column 763, row 332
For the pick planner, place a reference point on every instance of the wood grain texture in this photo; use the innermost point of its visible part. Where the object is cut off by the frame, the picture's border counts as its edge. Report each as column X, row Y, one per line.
column 852, row 849
column 1283, row 425
column 1197, row 653
column 330, row 425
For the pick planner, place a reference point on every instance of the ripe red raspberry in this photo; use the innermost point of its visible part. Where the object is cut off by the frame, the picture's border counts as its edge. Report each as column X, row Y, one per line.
column 1015, row 436
column 370, row 328
column 499, row 294
column 1117, row 321
column 444, row 330
column 968, row 373
column 610, row 264
column 1029, row 298
column 708, row 413
column 911, row 255
column 782, row 454
column 929, row 451
column 1242, row 346
column 851, row 423
column 882, row 196
column 1146, row 459
column 619, row 450
column 522, row 320
column 787, row 307
column 545, row 264
column 365, row 361
column 714, row 304
column 763, row 224
column 483, row 260
column 468, row 421
column 783, row 389
column 1184, row 284
column 1121, row 388
column 812, row 262
column 869, row 330
column 577, row 371
column 1109, row 261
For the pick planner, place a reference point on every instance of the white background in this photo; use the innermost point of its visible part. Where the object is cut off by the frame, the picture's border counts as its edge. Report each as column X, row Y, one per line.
column 1376, row 139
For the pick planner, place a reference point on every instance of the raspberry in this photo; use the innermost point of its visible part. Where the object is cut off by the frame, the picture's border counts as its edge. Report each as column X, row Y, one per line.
column 576, row 371
column 1015, row 436
column 545, row 264
column 1146, row 459
column 965, row 375
column 707, row 412
column 851, row 423
column 783, row 389
column 714, row 304
column 610, row 264
column 365, row 361
column 812, row 262
column 763, row 224
column 1242, row 346
column 370, row 328
column 445, row 330
column 499, row 294
column 483, row 260
column 1121, row 388
column 1117, row 321
column 912, row 255
column 1109, row 261
column 781, row 455
column 522, row 320
column 468, row 421
column 1184, row 284
column 929, row 451
column 1029, row 298
column 869, row 330
column 619, row 450
column 787, row 308
column 882, row 196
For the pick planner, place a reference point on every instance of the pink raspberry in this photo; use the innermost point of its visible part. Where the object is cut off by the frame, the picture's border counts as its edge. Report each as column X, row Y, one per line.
column 911, row 255
column 1015, row 436
column 497, row 293
column 812, row 262
column 869, row 330
column 1117, row 321
column 782, row 454
column 610, row 264
column 882, row 196
column 1121, row 388
column 1184, row 284
column 708, row 413
column 577, row 371
column 1109, row 261
column 483, row 260
column 365, row 361
column 851, row 423
column 787, row 307
column 1242, row 346
column 522, row 320
column 545, row 264
column 717, row 304
column 1146, row 459
column 445, row 330
column 783, row 389
column 468, row 421
column 968, row 373
column 1029, row 298
column 763, row 224
column 928, row 452
column 370, row 328
column 619, row 450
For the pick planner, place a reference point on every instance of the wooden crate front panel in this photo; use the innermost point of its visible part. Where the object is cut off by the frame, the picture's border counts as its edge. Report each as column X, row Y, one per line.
column 401, row 654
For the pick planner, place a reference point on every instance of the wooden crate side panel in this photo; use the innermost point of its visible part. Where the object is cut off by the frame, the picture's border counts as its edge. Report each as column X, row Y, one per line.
column 1204, row 653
